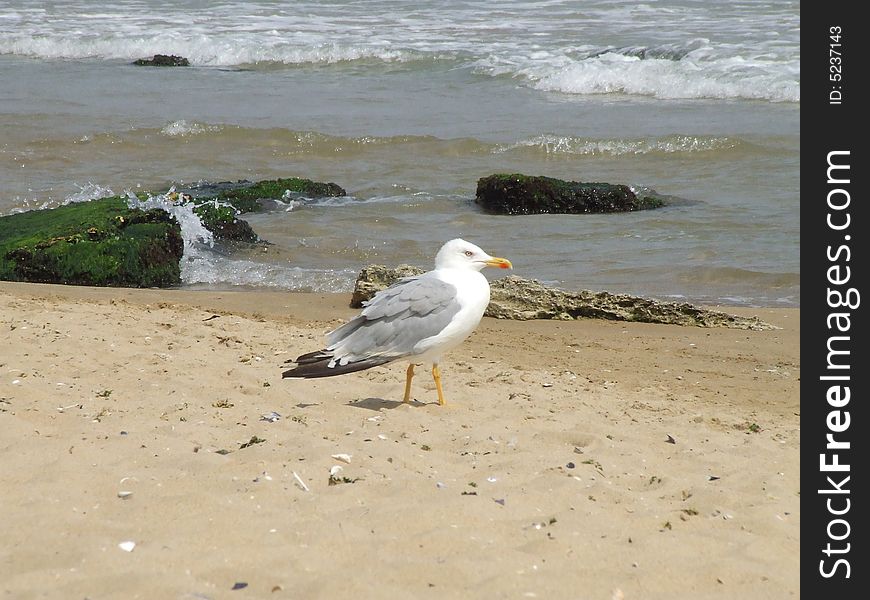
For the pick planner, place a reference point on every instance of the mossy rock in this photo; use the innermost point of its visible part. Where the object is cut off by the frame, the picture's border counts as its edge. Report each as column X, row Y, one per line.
column 517, row 194
column 101, row 243
column 221, row 220
column 246, row 196
column 219, row 204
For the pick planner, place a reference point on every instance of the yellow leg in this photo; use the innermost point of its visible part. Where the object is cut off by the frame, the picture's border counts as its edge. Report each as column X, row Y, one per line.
column 436, row 375
column 409, row 375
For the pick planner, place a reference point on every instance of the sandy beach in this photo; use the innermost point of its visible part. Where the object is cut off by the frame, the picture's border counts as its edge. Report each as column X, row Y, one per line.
column 142, row 456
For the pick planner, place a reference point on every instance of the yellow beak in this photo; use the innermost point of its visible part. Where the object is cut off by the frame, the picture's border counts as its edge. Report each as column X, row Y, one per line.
column 501, row 263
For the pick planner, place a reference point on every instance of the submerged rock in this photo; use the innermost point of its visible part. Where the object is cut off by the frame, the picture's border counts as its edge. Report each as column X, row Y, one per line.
column 219, row 204
column 101, row 242
column 162, row 60
column 222, row 221
column 526, row 299
column 247, row 196
column 517, row 194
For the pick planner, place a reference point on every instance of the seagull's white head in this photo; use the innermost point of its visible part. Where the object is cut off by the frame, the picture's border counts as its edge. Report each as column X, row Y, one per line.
column 459, row 254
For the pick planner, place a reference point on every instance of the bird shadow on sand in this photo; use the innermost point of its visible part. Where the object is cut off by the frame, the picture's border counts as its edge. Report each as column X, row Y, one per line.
column 379, row 403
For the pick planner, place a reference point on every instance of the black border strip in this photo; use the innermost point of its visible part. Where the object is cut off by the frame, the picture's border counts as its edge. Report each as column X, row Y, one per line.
column 834, row 225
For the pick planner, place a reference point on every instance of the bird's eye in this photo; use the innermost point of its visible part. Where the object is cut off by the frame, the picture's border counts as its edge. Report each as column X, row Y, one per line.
column 469, row 253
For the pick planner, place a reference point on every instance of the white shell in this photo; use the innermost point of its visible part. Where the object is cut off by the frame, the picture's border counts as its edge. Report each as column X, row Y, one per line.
column 345, row 458
column 127, row 546
column 301, row 483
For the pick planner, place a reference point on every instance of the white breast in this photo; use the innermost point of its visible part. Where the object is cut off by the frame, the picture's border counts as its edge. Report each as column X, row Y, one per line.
column 473, row 298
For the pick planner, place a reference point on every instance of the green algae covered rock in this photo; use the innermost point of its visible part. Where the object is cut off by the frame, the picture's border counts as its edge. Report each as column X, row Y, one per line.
column 517, row 194
column 101, row 243
column 247, row 196
column 221, row 220
column 219, row 204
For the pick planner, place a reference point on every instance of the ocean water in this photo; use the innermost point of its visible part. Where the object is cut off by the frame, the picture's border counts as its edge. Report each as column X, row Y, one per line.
column 406, row 106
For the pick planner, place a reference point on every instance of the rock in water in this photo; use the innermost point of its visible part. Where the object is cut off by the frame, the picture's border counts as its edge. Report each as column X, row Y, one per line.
column 246, row 196
column 162, row 60
column 218, row 205
column 101, row 242
column 518, row 194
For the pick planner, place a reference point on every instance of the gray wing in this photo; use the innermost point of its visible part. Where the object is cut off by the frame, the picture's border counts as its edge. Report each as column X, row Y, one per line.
column 395, row 320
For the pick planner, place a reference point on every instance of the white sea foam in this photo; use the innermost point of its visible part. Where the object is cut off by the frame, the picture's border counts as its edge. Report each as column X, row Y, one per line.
column 698, row 74
column 182, row 128
column 556, row 144
column 667, row 79
column 724, row 50
column 88, row 191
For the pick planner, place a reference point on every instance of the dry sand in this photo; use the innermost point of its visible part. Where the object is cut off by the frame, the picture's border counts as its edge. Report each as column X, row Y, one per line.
column 550, row 473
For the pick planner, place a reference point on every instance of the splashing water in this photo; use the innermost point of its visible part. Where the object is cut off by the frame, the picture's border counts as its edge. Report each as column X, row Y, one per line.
column 198, row 241
column 87, row 192
column 203, row 263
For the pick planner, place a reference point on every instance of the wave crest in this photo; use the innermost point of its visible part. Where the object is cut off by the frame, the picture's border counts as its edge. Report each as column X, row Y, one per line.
column 567, row 145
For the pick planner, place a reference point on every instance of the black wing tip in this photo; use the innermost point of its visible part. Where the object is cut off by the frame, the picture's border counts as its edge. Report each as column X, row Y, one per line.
column 309, row 365
column 307, row 372
column 316, row 364
column 313, row 357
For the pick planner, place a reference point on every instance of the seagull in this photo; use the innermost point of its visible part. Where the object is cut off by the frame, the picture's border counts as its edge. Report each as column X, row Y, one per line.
column 417, row 319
